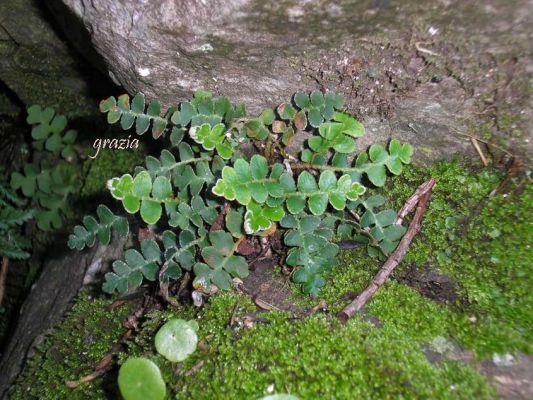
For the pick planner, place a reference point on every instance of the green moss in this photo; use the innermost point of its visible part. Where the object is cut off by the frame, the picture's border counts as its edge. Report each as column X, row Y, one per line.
column 108, row 164
column 481, row 242
column 71, row 351
column 314, row 357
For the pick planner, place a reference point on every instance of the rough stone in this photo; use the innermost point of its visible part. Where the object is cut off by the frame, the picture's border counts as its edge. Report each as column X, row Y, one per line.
column 37, row 66
column 406, row 68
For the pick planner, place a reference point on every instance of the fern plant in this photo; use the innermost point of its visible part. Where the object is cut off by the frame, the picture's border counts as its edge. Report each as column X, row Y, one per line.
column 13, row 214
column 207, row 195
column 53, row 174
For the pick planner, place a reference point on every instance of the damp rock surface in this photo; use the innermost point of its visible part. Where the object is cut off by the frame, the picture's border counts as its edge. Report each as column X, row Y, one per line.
column 424, row 71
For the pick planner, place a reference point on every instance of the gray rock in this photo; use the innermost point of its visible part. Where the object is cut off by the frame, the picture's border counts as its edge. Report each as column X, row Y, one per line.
column 37, row 65
column 405, row 68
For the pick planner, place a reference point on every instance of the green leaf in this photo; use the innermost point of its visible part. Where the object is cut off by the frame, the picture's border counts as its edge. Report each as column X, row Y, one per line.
column 286, row 111
column 306, row 182
column 176, row 340
column 258, row 167
column 142, row 124
column 142, row 184
column 267, row 116
column 131, row 203
column 318, row 203
column 377, row 175
column 137, row 104
column 161, row 188
column 344, row 145
column 350, row 126
column 315, row 117
column 234, row 223
column 140, row 379
column 150, row 211
column 295, row 204
column 302, row 100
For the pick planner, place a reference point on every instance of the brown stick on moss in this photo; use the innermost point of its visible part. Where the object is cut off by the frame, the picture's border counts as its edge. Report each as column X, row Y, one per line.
column 422, row 197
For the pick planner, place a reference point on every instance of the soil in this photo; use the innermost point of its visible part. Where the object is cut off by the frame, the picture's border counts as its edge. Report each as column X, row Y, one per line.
column 430, row 283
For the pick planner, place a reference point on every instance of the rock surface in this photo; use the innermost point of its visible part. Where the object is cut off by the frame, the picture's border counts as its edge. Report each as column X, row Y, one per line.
column 418, row 70
column 37, row 66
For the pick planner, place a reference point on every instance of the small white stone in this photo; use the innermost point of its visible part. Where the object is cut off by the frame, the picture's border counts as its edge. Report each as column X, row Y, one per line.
column 433, row 31
column 503, row 360
column 143, row 71
column 206, row 47
column 270, row 388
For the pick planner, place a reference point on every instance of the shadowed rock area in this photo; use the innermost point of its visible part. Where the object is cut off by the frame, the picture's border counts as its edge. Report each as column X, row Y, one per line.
column 425, row 71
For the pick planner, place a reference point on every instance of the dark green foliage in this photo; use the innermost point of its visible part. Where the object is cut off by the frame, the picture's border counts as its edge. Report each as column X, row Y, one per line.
column 49, row 180
column 13, row 215
column 86, row 235
column 187, row 186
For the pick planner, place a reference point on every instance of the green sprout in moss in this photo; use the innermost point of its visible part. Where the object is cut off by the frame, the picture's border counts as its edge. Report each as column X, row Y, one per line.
column 177, row 339
column 140, row 379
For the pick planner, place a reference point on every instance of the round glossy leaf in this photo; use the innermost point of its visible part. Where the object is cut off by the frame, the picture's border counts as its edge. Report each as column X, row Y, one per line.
column 176, row 340
column 131, row 203
column 140, row 379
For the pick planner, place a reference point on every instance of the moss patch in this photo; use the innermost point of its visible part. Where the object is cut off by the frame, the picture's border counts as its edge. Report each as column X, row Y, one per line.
column 480, row 242
column 88, row 332
column 108, row 164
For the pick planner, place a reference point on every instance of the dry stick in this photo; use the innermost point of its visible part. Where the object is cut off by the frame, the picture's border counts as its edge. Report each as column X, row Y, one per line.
column 3, row 277
column 395, row 258
column 479, row 152
column 411, row 203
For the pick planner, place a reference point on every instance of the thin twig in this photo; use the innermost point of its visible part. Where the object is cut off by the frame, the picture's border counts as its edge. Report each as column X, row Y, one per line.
column 480, row 152
column 3, row 277
column 411, row 203
column 104, row 365
column 197, row 367
column 393, row 261
column 490, row 144
column 424, row 50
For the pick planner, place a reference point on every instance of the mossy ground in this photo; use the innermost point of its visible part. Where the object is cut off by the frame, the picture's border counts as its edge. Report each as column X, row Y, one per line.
column 86, row 335
column 480, row 242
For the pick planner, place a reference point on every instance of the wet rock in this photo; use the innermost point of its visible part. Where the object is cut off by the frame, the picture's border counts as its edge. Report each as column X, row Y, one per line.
column 37, row 65
column 404, row 82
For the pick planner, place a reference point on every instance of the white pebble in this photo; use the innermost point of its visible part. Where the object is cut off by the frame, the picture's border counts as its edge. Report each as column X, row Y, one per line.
column 143, row 71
